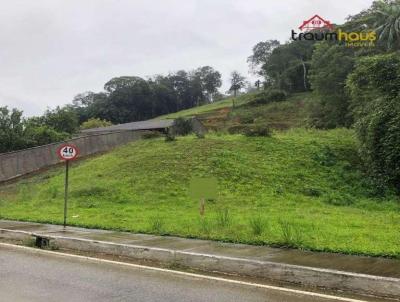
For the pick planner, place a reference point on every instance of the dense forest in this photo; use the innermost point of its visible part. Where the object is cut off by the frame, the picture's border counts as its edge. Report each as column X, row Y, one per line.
column 357, row 87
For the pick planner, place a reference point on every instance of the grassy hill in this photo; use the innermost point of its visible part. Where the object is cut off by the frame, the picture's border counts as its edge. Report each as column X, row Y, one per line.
column 195, row 111
column 299, row 188
column 221, row 116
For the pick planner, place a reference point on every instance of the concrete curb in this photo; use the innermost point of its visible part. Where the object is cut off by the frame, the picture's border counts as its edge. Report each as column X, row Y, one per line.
column 307, row 276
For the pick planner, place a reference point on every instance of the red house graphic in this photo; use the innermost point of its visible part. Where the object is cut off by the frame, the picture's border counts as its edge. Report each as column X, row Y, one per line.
column 315, row 22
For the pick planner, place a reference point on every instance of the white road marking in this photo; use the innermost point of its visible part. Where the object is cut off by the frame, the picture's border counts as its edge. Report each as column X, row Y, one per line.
column 138, row 266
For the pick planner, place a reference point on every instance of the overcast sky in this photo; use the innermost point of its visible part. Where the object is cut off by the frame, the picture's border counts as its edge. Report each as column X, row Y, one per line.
column 51, row 50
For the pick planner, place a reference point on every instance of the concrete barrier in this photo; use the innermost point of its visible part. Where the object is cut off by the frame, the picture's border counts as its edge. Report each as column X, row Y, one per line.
column 15, row 164
column 306, row 276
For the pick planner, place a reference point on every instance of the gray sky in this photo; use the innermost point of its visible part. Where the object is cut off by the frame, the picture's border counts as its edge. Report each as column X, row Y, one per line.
column 52, row 50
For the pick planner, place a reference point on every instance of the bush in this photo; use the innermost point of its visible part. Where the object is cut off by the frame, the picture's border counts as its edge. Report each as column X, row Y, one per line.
column 182, row 126
column 338, row 199
column 246, row 118
column 170, row 136
column 151, row 134
column 257, row 130
column 200, row 135
column 95, row 123
column 312, row 192
column 374, row 89
column 43, row 135
column 325, row 157
column 237, row 129
column 270, row 95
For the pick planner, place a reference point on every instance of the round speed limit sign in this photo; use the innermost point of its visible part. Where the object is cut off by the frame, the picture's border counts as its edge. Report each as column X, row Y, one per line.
column 67, row 152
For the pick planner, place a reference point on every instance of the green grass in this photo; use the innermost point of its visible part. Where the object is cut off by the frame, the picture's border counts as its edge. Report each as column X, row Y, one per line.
column 300, row 188
column 240, row 100
column 277, row 115
column 220, row 116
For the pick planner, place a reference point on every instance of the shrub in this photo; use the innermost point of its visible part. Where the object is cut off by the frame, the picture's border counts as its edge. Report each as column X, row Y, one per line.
column 237, row 129
column 43, row 135
column 338, row 199
column 246, row 118
column 258, row 130
column 200, row 135
column 182, row 126
column 170, row 136
column 270, row 95
column 325, row 157
column 374, row 89
column 151, row 134
column 312, row 192
column 95, row 123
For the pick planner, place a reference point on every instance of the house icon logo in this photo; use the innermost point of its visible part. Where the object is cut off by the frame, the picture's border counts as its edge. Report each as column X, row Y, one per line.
column 315, row 22
column 319, row 29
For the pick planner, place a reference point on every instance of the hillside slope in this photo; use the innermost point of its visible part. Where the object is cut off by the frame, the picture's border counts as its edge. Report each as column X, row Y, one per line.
column 278, row 115
column 300, row 188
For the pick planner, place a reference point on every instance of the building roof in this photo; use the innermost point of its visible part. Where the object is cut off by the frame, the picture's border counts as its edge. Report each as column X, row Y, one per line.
column 142, row 125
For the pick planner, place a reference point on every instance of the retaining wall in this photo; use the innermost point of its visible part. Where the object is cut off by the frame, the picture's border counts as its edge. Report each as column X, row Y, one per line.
column 22, row 162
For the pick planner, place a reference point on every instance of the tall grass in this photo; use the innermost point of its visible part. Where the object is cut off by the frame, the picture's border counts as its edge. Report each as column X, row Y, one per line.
column 291, row 235
column 223, row 217
column 257, row 225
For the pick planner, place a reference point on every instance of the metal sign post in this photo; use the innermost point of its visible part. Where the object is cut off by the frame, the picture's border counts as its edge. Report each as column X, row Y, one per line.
column 67, row 152
column 66, row 192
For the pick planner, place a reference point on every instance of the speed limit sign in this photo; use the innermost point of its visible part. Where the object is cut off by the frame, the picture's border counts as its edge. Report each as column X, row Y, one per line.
column 67, row 152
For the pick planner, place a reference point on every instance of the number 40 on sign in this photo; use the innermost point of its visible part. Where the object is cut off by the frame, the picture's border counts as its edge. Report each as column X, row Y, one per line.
column 67, row 153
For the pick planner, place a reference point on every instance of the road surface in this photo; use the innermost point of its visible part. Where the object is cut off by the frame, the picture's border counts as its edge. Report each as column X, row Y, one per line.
column 26, row 275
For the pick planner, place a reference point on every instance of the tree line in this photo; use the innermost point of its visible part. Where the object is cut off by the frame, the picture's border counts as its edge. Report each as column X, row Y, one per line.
column 130, row 98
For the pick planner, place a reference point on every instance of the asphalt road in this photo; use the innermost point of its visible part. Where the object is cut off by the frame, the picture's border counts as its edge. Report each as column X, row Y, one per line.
column 28, row 276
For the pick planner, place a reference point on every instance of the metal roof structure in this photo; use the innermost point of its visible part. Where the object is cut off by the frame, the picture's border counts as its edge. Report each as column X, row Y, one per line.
column 142, row 125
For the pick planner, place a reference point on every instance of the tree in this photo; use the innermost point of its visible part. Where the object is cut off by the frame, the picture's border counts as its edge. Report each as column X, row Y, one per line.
column 375, row 99
column 95, row 123
column 61, row 119
column 210, row 80
column 330, row 66
column 11, row 130
column 237, row 82
column 43, row 135
column 287, row 66
column 383, row 17
column 163, row 96
column 261, row 54
column 129, row 99
column 83, row 104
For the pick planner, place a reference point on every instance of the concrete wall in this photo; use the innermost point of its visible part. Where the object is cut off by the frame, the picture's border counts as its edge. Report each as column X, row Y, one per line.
column 18, row 163
column 198, row 126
